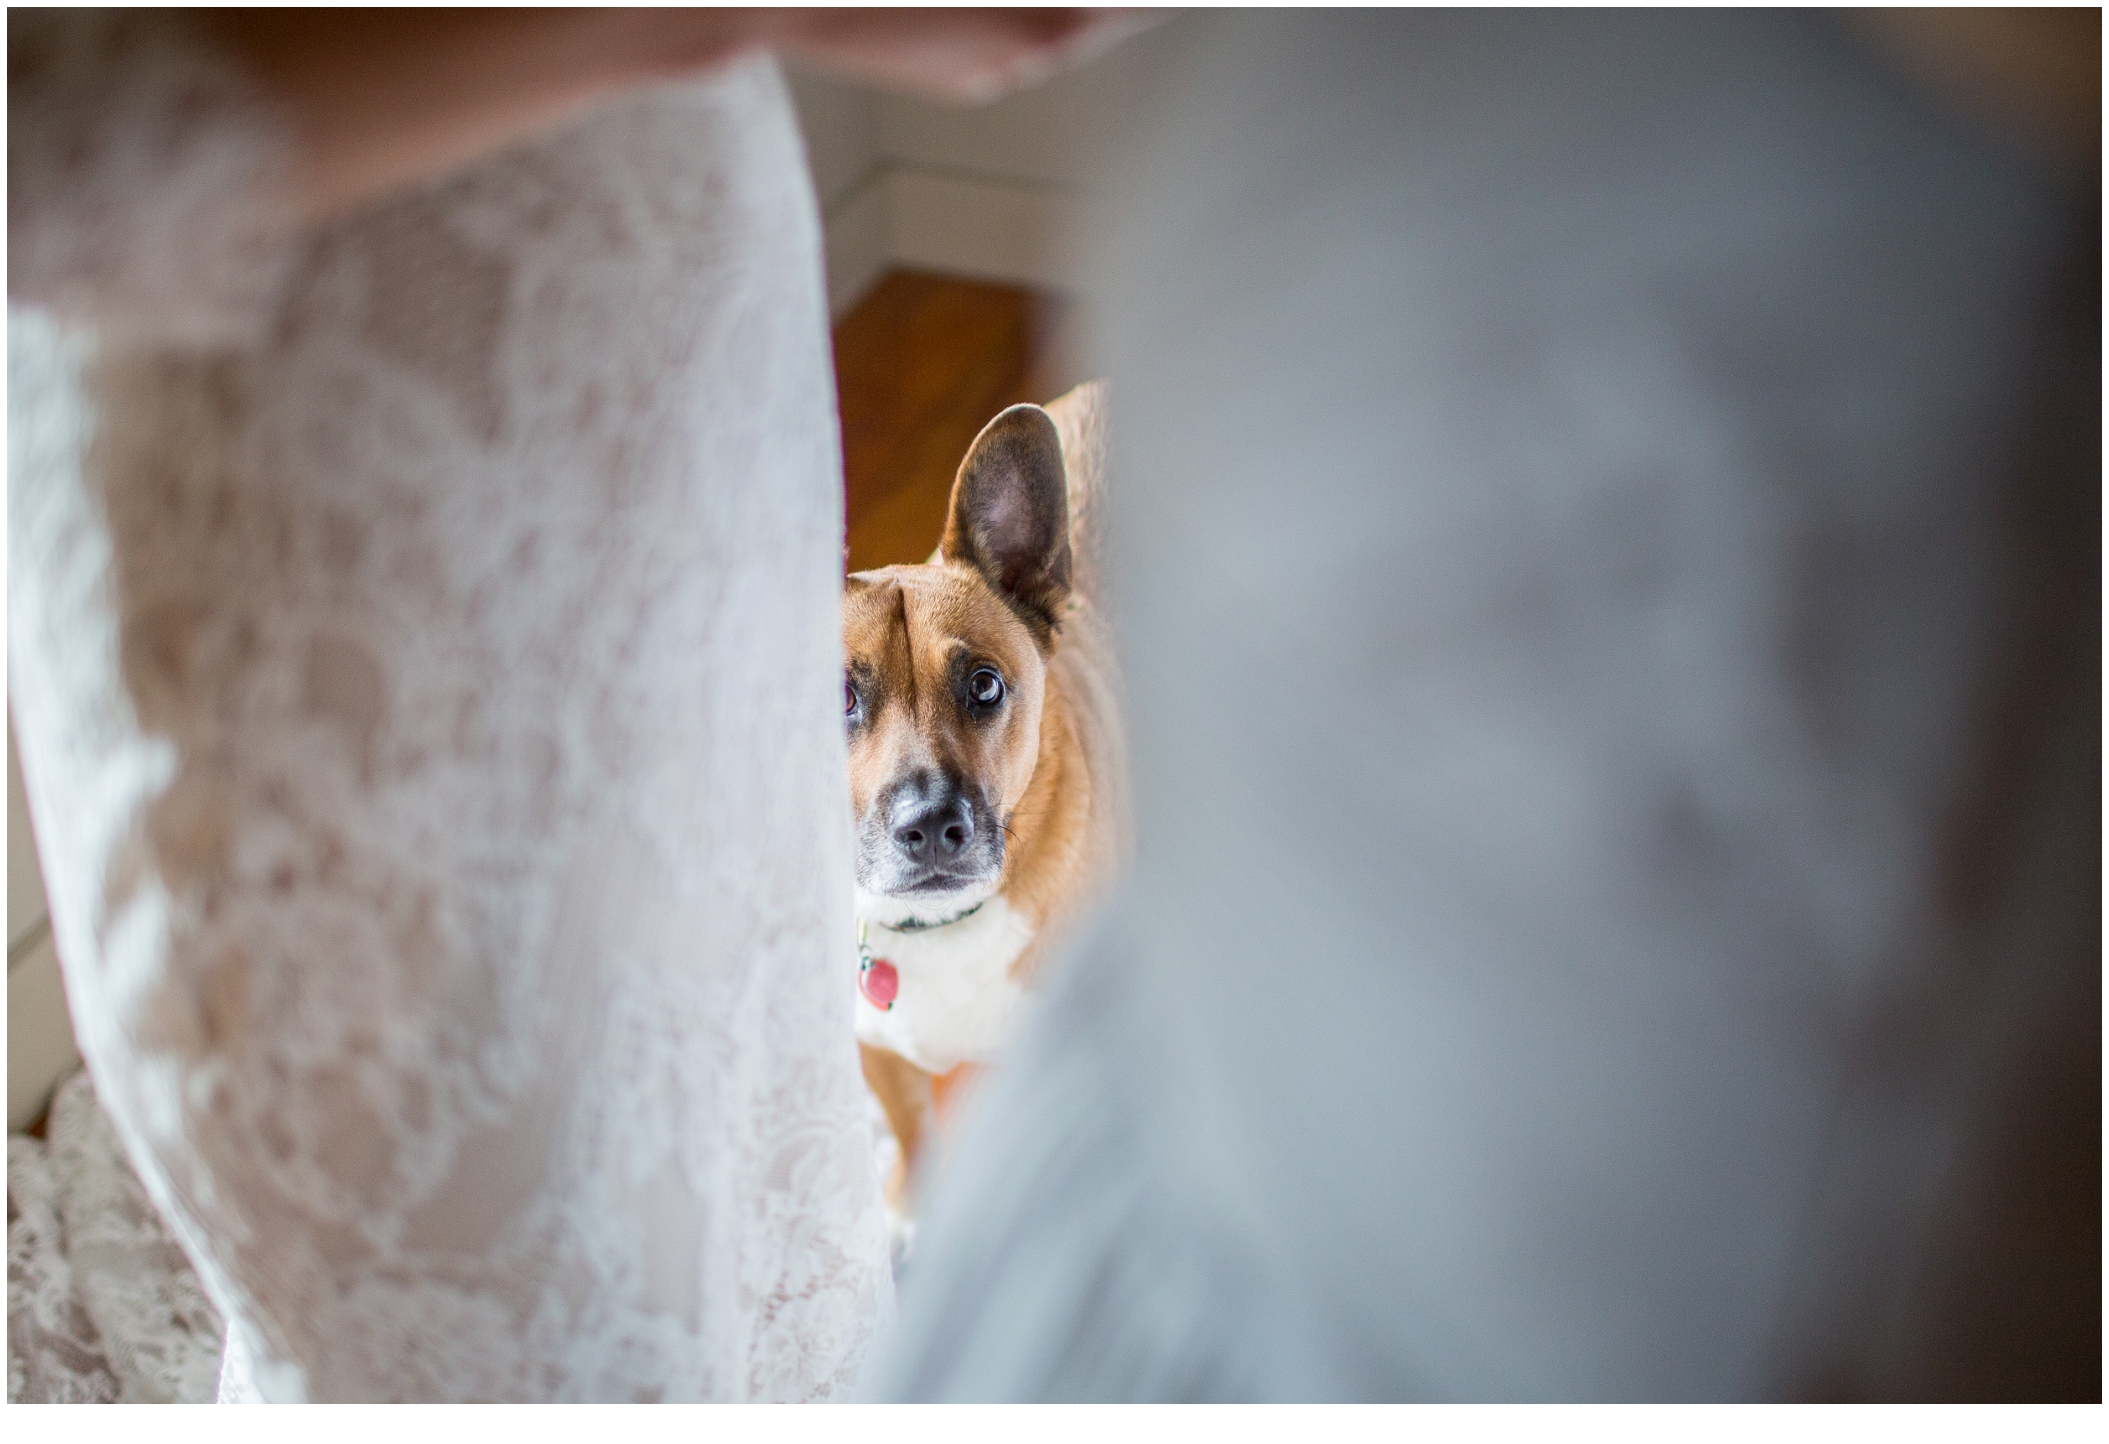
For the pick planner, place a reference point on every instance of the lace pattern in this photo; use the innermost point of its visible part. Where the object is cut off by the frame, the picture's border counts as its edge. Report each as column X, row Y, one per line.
column 103, row 1307
column 145, row 177
column 427, row 711
column 54, row 1352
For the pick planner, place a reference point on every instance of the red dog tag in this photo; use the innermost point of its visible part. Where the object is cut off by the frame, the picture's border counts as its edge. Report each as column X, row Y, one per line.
column 879, row 983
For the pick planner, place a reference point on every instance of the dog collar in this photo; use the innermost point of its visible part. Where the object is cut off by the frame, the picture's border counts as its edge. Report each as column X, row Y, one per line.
column 879, row 980
column 912, row 926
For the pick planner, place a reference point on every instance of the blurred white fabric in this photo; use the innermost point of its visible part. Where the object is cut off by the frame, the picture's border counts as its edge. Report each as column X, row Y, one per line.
column 423, row 644
column 1604, row 546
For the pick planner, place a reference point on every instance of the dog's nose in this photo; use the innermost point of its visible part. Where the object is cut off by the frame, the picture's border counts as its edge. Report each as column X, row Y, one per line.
column 932, row 830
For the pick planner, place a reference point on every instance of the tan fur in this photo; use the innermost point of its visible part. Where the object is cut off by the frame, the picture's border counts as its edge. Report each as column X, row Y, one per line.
column 1058, row 762
column 904, row 1091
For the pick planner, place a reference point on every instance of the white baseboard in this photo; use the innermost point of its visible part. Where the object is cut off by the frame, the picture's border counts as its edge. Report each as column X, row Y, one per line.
column 963, row 225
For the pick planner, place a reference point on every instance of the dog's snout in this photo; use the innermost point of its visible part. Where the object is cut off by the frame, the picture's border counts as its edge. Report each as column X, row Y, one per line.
column 933, row 831
column 929, row 832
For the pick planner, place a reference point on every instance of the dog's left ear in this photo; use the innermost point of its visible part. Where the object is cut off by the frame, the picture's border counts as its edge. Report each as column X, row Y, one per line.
column 1010, row 516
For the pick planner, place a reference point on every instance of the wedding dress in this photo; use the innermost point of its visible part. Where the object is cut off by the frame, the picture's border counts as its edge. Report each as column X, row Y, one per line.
column 423, row 645
column 102, row 1306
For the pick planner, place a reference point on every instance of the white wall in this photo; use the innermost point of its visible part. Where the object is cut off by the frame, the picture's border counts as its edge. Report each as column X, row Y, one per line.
column 1053, row 136
column 985, row 191
column 841, row 127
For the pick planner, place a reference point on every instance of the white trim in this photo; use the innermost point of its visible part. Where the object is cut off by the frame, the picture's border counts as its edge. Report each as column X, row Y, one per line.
column 858, row 241
column 953, row 223
column 972, row 226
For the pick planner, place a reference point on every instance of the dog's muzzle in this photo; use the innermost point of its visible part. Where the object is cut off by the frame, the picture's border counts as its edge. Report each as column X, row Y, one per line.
column 927, row 834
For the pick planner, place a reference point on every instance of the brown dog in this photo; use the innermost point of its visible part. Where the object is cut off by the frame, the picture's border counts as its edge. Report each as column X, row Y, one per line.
column 986, row 764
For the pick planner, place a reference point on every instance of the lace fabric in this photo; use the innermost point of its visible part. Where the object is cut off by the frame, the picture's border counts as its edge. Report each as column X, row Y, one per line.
column 54, row 1350
column 145, row 177
column 103, row 1306
column 425, row 699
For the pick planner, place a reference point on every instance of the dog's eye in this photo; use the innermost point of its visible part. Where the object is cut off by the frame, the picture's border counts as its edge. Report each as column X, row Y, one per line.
column 849, row 699
column 985, row 687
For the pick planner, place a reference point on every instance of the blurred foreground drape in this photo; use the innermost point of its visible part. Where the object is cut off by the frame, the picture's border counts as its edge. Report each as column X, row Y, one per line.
column 1605, row 529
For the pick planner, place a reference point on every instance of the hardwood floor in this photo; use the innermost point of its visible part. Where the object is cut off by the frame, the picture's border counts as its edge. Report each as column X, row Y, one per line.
column 921, row 364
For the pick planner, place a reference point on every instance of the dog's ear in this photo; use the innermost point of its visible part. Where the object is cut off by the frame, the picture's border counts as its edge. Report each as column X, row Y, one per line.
column 1010, row 516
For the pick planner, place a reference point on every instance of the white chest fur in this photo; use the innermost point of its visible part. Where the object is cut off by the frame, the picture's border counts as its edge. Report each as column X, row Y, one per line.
column 956, row 1002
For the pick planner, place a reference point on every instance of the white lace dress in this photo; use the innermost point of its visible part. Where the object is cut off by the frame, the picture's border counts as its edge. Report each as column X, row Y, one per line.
column 423, row 646
column 102, row 1306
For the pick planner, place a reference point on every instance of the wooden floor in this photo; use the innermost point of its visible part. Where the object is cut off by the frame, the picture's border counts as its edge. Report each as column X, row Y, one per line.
column 921, row 364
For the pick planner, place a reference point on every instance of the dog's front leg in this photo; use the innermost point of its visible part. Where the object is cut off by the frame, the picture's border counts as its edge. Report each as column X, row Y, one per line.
column 904, row 1091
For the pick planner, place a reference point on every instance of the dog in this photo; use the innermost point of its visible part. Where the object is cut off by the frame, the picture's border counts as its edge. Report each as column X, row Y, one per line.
column 987, row 768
